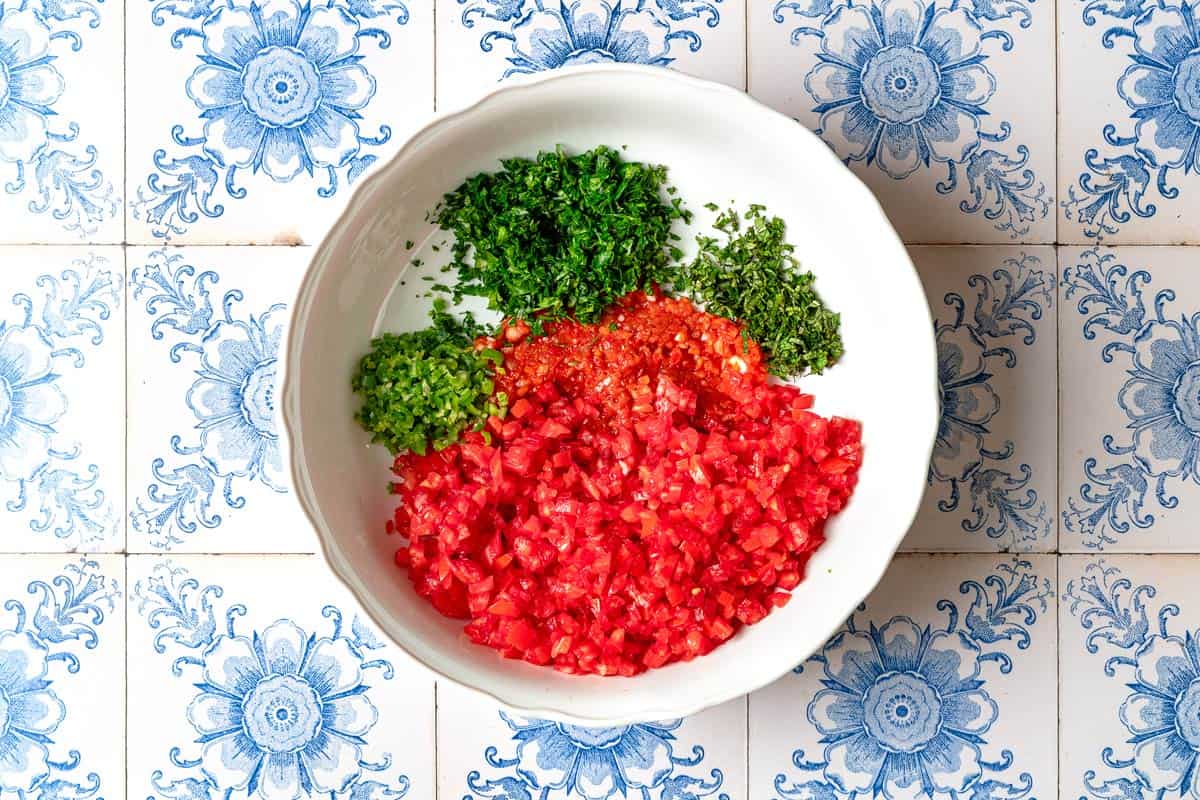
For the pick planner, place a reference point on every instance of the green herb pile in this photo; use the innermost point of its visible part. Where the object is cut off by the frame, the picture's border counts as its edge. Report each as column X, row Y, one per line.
column 561, row 235
column 426, row 387
column 753, row 278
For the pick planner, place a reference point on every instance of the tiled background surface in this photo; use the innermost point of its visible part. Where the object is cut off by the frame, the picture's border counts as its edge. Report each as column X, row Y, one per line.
column 1048, row 189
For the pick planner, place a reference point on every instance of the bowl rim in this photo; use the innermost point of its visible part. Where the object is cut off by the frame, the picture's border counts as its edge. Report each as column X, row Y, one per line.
column 870, row 207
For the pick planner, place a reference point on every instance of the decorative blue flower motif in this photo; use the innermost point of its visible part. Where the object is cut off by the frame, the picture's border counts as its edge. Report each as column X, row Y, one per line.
column 1163, row 87
column 1163, row 714
column 594, row 763
column 282, row 713
column 567, row 761
column 972, row 342
column 30, row 401
column 34, row 348
column 565, row 33
column 280, row 87
column 1162, row 397
column 29, row 711
column 588, row 32
column 29, row 84
column 1109, row 608
column 904, row 711
column 968, row 404
column 65, row 181
column 68, row 608
column 902, row 83
column 234, row 399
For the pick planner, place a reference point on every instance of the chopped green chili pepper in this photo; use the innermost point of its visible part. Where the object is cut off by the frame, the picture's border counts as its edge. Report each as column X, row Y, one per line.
column 424, row 388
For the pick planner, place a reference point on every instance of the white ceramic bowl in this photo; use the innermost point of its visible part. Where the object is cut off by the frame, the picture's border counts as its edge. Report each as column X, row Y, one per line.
column 719, row 145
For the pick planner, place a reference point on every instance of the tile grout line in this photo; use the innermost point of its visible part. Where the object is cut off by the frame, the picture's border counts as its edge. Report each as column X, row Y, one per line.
column 124, row 524
column 1058, row 389
column 1058, row 707
column 1054, row 29
column 1058, row 401
column 125, row 147
column 125, row 677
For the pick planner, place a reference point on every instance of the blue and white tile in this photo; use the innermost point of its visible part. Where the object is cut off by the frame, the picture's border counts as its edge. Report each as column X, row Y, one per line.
column 1130, row 108
column 62, row 677
column 62, row 399
column 993, row 475
column 255, row 121
column 207, row 461
column 262, row 679
column 486, row 753
column 1130, row 727
column 945, row 109
column 61, row 121
column 1130, row 423
column 480, row 42
column 942, row 685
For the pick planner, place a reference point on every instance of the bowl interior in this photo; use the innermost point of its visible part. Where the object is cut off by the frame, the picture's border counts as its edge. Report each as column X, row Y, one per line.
column 720, row 146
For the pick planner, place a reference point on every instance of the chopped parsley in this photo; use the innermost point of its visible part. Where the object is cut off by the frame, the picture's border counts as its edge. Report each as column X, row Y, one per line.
column 561, row 235
column 424, row 388
column 752, row 277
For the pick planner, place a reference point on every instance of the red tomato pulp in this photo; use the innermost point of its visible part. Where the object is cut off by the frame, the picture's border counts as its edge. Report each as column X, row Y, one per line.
column 648, row 493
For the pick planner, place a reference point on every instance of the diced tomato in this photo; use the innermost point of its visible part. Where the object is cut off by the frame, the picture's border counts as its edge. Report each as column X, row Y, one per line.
column 504, row 607
column 649, row 493
column 520, row 408
column 520, row 635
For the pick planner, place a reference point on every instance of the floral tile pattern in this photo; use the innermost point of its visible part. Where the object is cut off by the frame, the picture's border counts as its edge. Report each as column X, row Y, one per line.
column 992, row 475
column 256, row 118
column 1129, row 712
column 944, row 101
column 62, row 635
column 62, row 362
column 1129, row 155
column 1129, row 443
column 916, row 695
column 167, row 630
column 61, row 153
column 207, row 465
column 267, row 682
column 483, row 41
column 489, row 754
